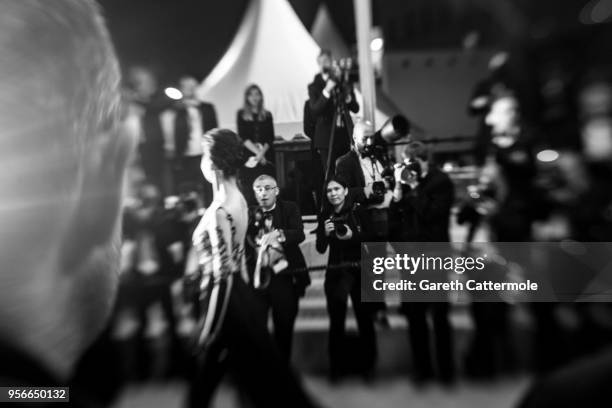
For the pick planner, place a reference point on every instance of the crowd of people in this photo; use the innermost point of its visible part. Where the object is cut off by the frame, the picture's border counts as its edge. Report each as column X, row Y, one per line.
column 204, row 219
column 367, row 196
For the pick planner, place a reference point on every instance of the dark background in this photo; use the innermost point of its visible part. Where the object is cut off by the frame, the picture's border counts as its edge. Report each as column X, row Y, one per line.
column 189, row 36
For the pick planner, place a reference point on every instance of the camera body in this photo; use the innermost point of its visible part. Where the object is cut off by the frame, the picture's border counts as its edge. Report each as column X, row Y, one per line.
column 343, row 71
column 410, row 169
column 340, row 223
column 378, row 193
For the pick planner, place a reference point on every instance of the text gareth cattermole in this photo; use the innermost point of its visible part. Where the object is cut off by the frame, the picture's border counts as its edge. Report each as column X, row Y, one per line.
column 413, row 264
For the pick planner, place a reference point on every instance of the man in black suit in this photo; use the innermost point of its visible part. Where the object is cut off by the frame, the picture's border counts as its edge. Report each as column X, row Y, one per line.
column 62, row 165
column 423, row 197
column 278, row 223
column 184, row 125
column 324, row 95
column 361, row 171
column 147, row 102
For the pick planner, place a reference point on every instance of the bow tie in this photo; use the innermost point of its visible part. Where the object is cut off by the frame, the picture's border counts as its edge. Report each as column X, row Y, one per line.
column 268, row 213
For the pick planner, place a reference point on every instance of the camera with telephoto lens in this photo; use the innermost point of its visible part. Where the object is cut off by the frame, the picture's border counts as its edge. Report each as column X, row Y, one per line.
column 378, row 193
column 340, row 224
column 410, row 169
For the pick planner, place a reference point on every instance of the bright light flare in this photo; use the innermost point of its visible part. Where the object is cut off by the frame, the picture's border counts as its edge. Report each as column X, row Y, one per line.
column 173, row 93
column 547, row 156
column 377, row 44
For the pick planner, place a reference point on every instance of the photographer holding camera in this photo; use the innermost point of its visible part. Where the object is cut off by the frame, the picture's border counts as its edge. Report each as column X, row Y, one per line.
column 275, row 232
column 328, row 94
column 339, row 230
column 423, row 197
column 363, row 167
column 364, row 171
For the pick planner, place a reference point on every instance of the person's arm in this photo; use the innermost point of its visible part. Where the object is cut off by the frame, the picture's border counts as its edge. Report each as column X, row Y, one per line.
column 245, row 135
column 309, row 122
column 294, row 234
column 316, row 100
column 128, row 255
column 322, row 240
column 269, row 136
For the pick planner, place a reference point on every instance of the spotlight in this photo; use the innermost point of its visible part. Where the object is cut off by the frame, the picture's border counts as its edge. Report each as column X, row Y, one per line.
column 547, row 156
column 173, row 93
column 377, row 44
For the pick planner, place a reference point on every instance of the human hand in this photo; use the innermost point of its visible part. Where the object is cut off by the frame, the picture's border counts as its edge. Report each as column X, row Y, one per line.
column 329, row 85
column 329, row 227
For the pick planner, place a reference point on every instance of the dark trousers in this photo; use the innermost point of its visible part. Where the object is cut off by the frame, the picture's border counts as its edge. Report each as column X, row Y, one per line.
column 139, row 292
column 339, row 285
column 418, row 333
column 282, row 299
column 246, row 350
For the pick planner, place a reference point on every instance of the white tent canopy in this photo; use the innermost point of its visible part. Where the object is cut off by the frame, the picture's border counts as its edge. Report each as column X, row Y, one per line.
column 325, row 33
column 273, row 49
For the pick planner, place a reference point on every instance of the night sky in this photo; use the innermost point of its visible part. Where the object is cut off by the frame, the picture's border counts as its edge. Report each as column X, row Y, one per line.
column 175, row 37
column 189, row 36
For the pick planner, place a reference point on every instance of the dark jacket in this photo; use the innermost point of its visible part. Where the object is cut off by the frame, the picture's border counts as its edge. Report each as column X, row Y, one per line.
column 257, row 132
column 181, row 124
column 340, row 250
column 153, row 140
column 322, row 110
column 287, row 217
column 423, row 213
column 348, row 169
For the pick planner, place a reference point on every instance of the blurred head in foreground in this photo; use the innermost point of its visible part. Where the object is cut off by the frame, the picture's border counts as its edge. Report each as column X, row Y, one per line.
column 62, row 162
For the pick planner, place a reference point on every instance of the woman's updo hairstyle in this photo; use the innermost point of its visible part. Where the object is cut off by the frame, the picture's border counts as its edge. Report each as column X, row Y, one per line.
column 225, row 149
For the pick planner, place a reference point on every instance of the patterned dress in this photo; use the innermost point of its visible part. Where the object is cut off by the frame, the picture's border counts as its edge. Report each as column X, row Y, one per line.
column 217, row 267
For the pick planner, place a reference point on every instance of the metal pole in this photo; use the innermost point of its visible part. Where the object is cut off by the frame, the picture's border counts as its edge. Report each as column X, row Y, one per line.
column 363, row 24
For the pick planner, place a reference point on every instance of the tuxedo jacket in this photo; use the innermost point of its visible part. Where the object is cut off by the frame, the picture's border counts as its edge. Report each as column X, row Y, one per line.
column 286, row 216
column 181, row 125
